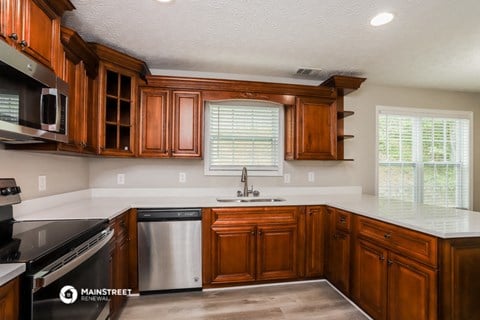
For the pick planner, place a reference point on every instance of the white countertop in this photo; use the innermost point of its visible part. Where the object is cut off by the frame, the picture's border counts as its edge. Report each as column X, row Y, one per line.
column 108, row 203
column 9, row 271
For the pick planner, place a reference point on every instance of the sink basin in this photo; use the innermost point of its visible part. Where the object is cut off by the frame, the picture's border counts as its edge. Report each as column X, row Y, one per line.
column 253, row 199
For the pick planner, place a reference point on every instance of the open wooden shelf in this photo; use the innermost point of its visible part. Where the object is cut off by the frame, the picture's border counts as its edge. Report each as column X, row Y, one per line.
column 344, row 137
column 344, row 114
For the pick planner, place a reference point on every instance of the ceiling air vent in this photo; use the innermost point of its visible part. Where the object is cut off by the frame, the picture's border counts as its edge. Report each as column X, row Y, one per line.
column 309, row 72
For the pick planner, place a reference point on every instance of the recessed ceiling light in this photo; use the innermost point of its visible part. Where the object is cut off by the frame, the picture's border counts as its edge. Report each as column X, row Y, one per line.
column 164, row 1
column 381, row 19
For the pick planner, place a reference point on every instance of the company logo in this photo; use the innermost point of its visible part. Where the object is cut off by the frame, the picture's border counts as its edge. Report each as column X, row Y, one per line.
column 68, row 294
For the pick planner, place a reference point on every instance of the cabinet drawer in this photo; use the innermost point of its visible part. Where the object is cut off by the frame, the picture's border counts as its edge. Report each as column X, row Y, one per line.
column 343, row 220
column 413, row 244
column 253, row 215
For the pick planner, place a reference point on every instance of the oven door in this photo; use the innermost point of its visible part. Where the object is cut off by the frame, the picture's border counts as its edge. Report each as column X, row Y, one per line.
column 56, row 292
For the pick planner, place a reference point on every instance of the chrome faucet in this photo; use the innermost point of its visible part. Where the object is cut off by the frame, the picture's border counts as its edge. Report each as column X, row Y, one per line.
column 246, row 191
column 244, row 179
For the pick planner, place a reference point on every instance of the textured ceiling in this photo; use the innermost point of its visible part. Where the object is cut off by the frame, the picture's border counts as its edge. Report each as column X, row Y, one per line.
column 430, row 43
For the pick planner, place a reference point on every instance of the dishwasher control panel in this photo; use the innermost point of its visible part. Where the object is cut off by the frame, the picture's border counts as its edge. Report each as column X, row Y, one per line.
column 153, row 214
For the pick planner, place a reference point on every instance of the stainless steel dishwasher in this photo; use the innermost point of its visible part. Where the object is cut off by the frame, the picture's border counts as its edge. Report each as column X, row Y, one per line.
column 169, row 249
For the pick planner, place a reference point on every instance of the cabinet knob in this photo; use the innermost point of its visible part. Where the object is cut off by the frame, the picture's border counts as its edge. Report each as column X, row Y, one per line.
column 387, row 235
column 389, row 262
column 253, row 233
column 260, row 232
column 343, row 220
column 381, row 258
column 23, row 44
column 13, row 36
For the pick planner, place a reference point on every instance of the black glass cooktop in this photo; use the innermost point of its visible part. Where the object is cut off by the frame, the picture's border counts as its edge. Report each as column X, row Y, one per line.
column 39, row 242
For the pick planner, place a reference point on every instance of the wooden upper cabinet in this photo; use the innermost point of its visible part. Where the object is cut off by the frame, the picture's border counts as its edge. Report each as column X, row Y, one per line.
column 80, row 67
column 315, row 133
column 10, row 21
column 119, row 76
column 187, row 115
column 33, row 26
column 170, row 123
column 154, row 125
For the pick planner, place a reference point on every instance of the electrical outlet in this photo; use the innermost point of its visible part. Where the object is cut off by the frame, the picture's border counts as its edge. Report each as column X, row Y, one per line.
column 311, row 176
column 42, row 183
column 182, row 177
column 121, row 178
column 286, row 178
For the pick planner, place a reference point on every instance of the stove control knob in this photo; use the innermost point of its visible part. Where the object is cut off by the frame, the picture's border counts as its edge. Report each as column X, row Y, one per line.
column 5, row 191
column 15, row 190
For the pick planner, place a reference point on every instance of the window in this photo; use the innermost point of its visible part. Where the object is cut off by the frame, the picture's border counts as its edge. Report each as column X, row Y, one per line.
column 424, row 156
column 243, row 133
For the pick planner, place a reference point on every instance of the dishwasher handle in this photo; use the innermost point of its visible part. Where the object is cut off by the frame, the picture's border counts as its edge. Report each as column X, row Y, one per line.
column 175, row 214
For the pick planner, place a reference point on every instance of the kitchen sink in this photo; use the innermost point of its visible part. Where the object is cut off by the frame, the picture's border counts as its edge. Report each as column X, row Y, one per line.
column 243, row 199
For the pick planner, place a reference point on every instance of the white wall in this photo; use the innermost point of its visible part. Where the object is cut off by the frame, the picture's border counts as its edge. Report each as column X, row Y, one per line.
column 64, row 173
column 164, row 172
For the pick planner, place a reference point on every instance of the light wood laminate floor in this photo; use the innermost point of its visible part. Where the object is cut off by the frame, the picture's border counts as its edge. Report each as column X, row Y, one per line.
column 312, row 300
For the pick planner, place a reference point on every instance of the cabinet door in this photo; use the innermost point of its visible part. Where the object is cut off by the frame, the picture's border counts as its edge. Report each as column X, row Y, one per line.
column 315, row 241
column 9, row 10
column 277, row 252
column 9, row 300
column 412, row 290
column 369, row 285
column 117, row 94
column 233, row 254
column 339, row 256
column 316, row 129
column 186, row 125
column 154, row 124
column 41, row 32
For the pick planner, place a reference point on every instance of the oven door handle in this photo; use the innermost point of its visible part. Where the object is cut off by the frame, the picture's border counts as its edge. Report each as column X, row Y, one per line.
column 45, row 277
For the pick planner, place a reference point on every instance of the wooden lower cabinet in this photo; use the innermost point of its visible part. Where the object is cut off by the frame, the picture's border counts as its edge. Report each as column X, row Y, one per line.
column 459, row 276
column 338, row 250
column 412, row 290
column 370, row 279
column 339, row 261
column 9, row 300
column 233, row 254
column 119, row 262
column 245, row 245
column 315, row 232
column 277, row 252
column 394, row 271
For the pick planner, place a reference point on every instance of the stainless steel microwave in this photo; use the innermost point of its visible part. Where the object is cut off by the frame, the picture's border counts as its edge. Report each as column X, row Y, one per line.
column 33, row 100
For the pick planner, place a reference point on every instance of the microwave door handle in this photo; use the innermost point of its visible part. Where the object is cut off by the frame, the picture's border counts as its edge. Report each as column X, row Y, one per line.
column 43, row 278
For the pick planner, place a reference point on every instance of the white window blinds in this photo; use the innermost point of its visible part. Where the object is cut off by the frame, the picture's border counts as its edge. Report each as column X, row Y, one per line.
column 243, row 134
column 425, row 157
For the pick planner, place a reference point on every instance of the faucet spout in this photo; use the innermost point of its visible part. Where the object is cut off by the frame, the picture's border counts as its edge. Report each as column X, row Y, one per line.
column 244, row 179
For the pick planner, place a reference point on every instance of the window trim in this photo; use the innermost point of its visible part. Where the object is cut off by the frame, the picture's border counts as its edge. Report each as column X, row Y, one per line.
column 436, row 113
column 252, row 171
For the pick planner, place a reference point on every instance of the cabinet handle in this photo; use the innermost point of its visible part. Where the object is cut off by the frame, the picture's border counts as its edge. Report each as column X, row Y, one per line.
column 381, row 258
column 253, row 233
column 343, row 220
column 387, row 235
column 260, row 233
column 23, row 44
column 13, row 36
column 389, row 262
